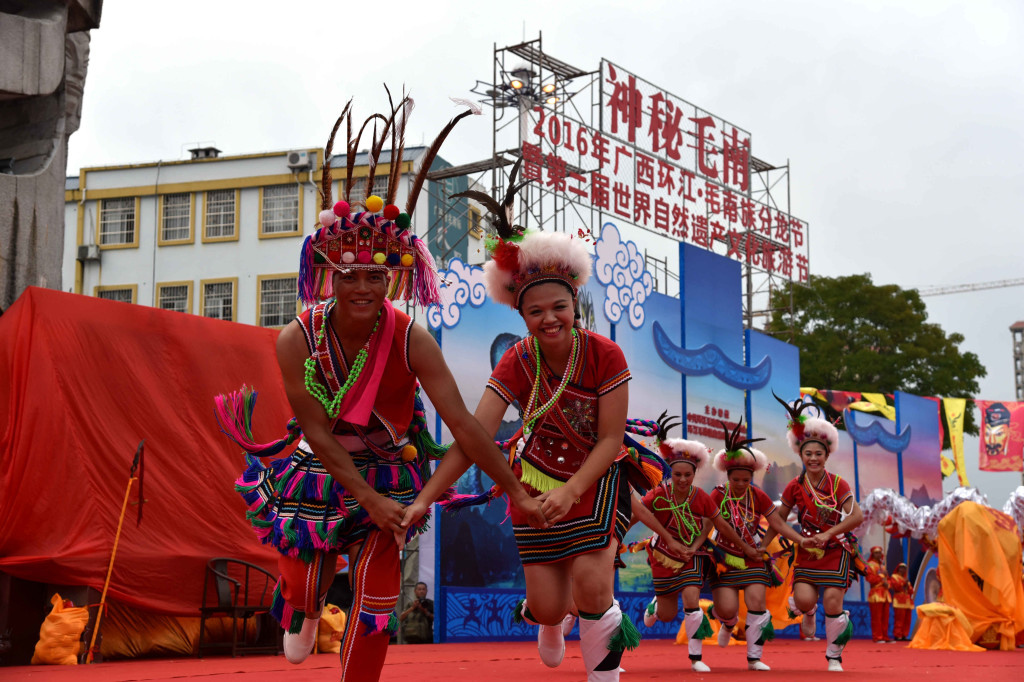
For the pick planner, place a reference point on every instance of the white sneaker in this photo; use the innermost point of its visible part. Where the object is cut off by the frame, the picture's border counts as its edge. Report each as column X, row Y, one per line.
column 724, row 635
column 757, row 665
column 297, row 646
column 834, row 666
column 551, row 645
column 568, row 623
column 650, row 613
column 699, row 667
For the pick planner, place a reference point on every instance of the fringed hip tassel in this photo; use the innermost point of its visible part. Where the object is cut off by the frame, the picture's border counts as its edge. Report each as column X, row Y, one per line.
column 234, row 414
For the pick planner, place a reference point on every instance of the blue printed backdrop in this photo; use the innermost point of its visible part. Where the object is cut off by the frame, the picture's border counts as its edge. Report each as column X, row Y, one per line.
column 668, row 345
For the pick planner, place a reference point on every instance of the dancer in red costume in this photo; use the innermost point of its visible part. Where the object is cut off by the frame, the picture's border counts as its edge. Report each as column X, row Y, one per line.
column 352, row 365
column 879, row 596
column 572, row 386
column 827, row 510
column 743, row 505
column 682, row 515
column 902, row 603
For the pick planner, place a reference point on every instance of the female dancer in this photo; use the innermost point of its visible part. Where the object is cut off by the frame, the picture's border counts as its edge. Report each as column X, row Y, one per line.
column 572, row 387
column 827, row 510
column 742, row 504
column 902, row 603
column 682, row 516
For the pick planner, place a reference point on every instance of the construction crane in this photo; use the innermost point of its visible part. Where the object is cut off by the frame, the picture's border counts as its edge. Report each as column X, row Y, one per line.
column 977, row 286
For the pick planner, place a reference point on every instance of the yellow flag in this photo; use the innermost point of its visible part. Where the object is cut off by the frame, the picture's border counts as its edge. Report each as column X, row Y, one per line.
column 954, row 409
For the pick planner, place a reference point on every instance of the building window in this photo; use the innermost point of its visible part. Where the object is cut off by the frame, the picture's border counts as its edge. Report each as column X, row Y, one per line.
column 277, row 300
column 175, row 218
column 220, row 215
column 380, row 188
column 219, row 299
column 176, row 296
column 117, row 221
column 280, row 210
column 122, row 294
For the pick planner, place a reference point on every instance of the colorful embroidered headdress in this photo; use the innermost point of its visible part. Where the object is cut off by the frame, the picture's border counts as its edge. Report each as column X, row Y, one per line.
column 675, row 450
column 521, row 258
column 737, row 453
column 377, row 237
column 804, row 428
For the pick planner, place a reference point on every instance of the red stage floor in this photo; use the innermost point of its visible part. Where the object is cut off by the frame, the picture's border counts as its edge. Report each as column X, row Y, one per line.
column 654, row 660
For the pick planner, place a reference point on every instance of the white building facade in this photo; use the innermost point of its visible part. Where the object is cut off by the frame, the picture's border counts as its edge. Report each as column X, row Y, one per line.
column 220, row 236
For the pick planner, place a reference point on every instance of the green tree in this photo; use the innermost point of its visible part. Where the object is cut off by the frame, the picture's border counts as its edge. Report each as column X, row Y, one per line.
column 854, row 335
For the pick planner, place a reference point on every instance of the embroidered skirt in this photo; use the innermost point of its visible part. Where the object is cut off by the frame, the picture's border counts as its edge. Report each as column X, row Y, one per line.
column 755, row 573
column 671, row 576
column 601, row 512
column 297, row 507
column 834, row 569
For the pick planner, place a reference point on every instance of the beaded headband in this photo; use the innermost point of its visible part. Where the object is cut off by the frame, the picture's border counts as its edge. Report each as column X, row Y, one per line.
column 803, row 429
column 737, row 453
column 364, row 240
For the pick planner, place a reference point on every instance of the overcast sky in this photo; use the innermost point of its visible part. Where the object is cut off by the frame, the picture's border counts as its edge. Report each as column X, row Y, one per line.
column 901, row 119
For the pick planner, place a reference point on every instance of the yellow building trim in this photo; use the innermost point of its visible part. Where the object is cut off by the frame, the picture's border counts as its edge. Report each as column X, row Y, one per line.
column 191, row 239
column 182, row 162
column 206, row 208
column 135, row 232
column 259, row 295
column 194, row 186
column 219, row 280
column 298, row 223
column 116, row 287
column 182, row 283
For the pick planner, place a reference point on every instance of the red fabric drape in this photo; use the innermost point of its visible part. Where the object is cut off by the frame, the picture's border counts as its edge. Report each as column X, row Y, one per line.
column 82, row 381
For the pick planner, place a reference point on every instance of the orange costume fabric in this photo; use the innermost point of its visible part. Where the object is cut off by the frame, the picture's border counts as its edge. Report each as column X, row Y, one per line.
column 980, row 563
column 878, row 600
column 902, row 604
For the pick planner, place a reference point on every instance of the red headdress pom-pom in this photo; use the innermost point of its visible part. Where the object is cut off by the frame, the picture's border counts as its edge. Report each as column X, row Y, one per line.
column 506, row 255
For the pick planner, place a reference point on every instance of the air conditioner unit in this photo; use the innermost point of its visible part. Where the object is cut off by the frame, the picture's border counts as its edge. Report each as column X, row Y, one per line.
column 89, row 252
column 299, row 161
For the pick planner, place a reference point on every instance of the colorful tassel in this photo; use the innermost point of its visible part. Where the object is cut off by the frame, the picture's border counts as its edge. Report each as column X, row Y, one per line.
column 626, row 637
column 704, row 630
column 767, row 634
column 537, row 479
column 234, row 415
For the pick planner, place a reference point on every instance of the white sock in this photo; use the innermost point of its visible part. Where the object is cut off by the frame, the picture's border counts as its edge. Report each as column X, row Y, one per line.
column 602, row 665
column 834, row 628
column 692, row 620
column 756, row 624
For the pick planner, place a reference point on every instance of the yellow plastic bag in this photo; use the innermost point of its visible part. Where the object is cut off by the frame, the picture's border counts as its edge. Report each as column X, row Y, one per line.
column 60, row 633
column 330, row 630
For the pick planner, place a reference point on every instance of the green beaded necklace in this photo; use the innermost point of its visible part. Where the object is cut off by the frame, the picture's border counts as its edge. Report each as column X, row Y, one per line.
column 318, row 390
column 533, row 415
column 680, row 512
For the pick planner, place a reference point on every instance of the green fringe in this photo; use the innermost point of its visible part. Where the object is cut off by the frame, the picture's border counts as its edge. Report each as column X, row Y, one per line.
column 537, row 479
column 404, row 479
column 767, row 634
column 392, row 626
column 626, row 637
column 295, row 626
column 704, row 630
column 846, row 634
column 708, row 612
column 735, row 561
column 517, row 612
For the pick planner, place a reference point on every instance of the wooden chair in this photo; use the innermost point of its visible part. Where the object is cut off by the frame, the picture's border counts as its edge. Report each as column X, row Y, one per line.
column 242, row 591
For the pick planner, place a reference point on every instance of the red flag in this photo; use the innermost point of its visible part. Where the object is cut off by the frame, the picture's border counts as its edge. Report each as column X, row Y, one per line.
column 1002, row 436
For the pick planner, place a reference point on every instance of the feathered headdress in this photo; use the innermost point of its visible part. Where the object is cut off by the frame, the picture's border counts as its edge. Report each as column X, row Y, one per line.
column 363, row 239
column 675, row 450
column 521, row 258
column 804, row 428
column 737, row 453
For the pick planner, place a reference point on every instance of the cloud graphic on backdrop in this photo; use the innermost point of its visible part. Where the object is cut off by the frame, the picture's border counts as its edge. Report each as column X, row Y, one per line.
column 464, row 285
column 627, row 284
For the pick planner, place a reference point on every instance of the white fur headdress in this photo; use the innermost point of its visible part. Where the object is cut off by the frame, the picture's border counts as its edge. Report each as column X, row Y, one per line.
column 737, row 453
column 675, row 450
column 804, row 428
